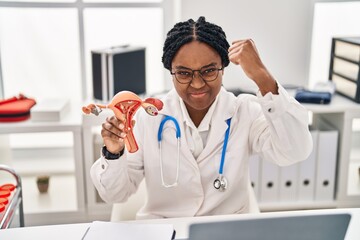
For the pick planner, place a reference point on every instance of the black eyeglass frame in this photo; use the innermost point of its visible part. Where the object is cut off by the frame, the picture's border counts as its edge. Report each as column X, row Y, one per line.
column 193, row 74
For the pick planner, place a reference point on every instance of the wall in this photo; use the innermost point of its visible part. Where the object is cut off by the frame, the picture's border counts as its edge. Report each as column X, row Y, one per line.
column 280, row 28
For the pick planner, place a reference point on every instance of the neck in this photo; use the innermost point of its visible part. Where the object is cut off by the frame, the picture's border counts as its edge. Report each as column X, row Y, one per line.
column 196, row 115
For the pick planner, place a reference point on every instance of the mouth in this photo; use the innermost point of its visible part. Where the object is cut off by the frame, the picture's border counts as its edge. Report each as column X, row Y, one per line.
column 198, row 94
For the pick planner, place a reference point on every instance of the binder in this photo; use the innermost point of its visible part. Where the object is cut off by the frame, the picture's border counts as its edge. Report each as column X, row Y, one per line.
column 288, row 183
column 269, row 187
column 307, row 170
column 326, row 162
column 254, row 167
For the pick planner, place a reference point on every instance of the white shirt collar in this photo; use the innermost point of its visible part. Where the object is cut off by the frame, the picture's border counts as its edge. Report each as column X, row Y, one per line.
column 205, row 123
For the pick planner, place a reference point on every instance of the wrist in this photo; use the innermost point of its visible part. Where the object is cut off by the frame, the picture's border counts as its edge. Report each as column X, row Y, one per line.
column 266, row 83
column 109, row 155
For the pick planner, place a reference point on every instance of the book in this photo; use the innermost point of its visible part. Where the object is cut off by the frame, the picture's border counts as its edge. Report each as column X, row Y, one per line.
column 128, row 231
column 53, row 109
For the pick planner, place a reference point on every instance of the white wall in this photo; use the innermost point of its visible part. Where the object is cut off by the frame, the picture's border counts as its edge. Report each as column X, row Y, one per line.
column 280, row 28
column 331, row 19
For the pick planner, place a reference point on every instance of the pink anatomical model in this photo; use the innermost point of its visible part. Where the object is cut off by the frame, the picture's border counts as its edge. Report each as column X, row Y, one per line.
column 124, row 105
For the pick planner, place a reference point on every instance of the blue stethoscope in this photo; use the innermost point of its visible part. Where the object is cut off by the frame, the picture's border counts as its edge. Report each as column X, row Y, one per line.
column 220, row 183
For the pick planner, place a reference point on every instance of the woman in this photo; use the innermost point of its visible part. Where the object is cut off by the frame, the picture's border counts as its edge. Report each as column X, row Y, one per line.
column 271, row 124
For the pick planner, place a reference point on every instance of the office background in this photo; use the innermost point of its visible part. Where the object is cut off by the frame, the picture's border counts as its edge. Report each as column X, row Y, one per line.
column 45, row 45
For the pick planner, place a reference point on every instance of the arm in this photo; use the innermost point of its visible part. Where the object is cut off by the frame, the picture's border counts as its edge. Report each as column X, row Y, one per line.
column 279, row 131
column 116, row 180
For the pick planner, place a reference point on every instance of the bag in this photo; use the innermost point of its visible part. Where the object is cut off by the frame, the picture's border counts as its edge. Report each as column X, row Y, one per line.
column 16, row 108
column 306, row 96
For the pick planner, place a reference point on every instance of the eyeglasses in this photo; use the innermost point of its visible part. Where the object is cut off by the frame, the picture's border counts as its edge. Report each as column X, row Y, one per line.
column 185, row 76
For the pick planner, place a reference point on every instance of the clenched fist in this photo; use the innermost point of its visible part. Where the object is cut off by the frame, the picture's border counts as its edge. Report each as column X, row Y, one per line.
column 245, row 54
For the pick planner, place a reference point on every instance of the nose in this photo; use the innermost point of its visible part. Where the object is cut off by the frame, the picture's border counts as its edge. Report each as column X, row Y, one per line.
column 197, row 81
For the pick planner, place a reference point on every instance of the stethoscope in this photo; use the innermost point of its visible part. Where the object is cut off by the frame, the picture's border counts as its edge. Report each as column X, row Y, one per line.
column 220, row 183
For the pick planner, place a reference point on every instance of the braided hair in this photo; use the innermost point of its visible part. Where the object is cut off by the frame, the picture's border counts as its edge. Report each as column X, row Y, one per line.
column 188, row 31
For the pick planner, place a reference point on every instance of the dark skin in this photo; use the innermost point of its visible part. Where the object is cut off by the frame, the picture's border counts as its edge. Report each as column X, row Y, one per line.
column 199, row 95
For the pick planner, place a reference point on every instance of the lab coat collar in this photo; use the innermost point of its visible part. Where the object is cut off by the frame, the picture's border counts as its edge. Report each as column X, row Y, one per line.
column 225, row 109
column 172, row 108
column 171, row 102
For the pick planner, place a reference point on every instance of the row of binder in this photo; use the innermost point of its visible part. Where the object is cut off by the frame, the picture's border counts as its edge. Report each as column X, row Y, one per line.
column 308, row 181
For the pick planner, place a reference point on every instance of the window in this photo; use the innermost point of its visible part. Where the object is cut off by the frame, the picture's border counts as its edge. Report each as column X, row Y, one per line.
column 45, row 44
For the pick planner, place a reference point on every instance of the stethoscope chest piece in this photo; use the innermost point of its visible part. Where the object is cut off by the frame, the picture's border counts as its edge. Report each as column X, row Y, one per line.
column 220, row 183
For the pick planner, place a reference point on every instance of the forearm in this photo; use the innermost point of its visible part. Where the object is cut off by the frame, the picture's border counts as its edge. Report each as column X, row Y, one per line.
column 114, row 180
column 282, row 133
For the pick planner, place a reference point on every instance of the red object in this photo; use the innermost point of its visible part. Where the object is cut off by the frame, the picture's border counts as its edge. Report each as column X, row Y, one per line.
column 4, row 201
column 124, row 105
column 2, row 207
column 7, row 186
column 4, row 193
column 16, row 108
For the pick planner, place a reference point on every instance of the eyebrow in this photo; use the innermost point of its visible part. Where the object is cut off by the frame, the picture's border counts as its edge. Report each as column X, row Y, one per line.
column 183, row 67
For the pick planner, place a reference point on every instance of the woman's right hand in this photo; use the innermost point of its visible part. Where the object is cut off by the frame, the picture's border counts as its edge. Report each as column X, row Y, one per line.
column 113, row 134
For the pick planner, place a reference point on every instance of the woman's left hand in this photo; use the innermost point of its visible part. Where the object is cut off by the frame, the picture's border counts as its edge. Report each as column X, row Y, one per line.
column 245, row 54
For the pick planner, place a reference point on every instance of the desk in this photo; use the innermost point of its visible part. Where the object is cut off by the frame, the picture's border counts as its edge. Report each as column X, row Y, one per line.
column 181, row 225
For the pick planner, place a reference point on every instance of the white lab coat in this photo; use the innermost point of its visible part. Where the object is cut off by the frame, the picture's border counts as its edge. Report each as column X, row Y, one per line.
column 275, row 126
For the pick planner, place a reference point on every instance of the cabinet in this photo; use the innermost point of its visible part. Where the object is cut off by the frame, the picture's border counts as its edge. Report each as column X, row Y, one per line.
column 345, row 66
column 341, row 114
column 59, row 191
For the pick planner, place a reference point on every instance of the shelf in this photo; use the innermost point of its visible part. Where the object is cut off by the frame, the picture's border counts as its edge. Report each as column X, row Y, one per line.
column 61, row 196
column 52, row 161
column 284, row 206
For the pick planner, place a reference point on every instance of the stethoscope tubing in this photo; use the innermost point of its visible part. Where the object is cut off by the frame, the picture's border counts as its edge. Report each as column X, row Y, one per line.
column 178, row 135
column 223, row 153
column 221, row 179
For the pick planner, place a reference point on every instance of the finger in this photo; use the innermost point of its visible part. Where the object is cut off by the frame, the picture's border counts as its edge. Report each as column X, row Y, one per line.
column 236, row 44
column 110, row 129
column 235, row 51
column 115, row 122
column 110, row 135
column 133, row 123
column 234, row 56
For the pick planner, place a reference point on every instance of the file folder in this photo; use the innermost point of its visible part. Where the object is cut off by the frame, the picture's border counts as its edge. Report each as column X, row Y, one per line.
column 269, row 187
column 288, row 183
column 307, row 170
column 326, row 162
column 254, row 167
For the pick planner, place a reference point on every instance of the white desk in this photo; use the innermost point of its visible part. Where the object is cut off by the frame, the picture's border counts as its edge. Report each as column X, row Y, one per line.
column 181, row 225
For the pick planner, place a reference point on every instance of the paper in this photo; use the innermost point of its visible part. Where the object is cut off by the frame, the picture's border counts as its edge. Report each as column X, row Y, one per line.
column 129, row 231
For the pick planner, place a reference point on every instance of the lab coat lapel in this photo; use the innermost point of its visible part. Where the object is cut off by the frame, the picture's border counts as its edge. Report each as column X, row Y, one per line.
column 224, row 110
column 172, row 108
